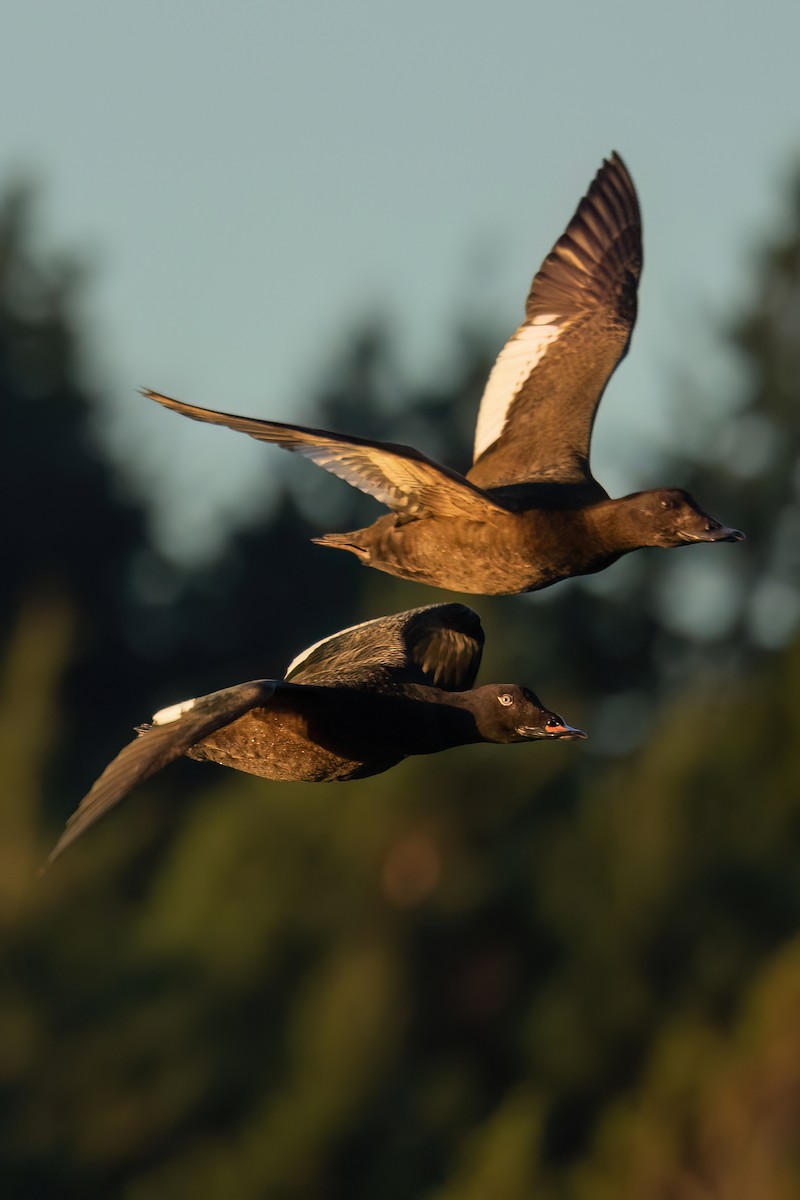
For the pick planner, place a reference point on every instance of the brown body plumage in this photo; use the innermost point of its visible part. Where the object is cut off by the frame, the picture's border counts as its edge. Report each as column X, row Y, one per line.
column 529, row 511
column 350, row 706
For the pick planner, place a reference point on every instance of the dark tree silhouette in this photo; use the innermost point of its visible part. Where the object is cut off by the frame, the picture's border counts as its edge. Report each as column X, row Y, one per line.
column 485, row 975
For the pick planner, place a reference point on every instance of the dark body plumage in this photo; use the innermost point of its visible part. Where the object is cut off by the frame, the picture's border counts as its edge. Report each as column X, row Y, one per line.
column 352, row 705
column 529, row 511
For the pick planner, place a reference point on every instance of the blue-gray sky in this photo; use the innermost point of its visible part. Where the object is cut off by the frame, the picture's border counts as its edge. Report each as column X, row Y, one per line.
column 250, row 179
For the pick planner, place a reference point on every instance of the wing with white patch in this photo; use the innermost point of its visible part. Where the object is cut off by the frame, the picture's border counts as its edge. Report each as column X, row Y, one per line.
column 439, row 645
column 174, row 731
column 398, row 476
column 538, row 408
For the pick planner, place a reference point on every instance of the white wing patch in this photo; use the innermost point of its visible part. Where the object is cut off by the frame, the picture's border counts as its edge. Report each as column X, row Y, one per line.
column 304, row 654
column 233, row 700
column 514, row 364
column 165, row 716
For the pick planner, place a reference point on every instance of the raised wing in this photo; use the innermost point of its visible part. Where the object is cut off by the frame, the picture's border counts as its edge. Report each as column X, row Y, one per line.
column 399, row 476
column 174, row 731
column 538, row 409
column 439, row 645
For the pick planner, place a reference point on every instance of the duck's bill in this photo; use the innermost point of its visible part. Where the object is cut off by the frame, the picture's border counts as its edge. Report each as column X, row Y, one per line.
column 558, row 729
column 715, row 533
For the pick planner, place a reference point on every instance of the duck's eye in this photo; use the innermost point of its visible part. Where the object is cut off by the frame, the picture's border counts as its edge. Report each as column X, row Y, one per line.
column 506, row 698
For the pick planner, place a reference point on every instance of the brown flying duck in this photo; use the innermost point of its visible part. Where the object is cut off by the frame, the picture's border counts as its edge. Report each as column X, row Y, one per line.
column 352, row 705
column 529, row 511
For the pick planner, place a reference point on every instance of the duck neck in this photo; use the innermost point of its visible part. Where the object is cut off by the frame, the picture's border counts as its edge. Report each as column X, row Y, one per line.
column 440, row 720
column 615, row 526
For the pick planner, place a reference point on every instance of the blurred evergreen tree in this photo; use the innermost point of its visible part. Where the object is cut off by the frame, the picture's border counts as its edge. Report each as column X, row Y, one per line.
column 68, row 533
column 499, row 973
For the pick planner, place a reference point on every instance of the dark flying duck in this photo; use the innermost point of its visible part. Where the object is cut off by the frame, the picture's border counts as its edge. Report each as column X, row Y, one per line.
column 352, row 705
column 528, row 512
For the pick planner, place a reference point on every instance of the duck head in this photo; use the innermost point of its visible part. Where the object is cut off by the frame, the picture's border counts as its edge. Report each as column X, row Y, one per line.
column 671, row 517
column 505, row 712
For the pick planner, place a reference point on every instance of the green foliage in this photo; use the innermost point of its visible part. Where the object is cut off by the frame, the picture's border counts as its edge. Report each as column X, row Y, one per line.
column 502, row 972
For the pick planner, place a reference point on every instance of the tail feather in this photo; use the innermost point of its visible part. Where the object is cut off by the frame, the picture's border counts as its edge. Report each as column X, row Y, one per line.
column 344, row 541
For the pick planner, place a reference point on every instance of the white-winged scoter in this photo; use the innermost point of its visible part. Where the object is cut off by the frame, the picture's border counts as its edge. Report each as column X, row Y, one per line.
column 529, row 512
column 352, row 705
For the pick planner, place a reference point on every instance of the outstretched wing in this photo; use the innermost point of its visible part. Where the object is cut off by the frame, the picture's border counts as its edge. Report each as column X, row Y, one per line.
column 538, row 409
column 399, row 476
column 174, row 731
column 439, row 645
